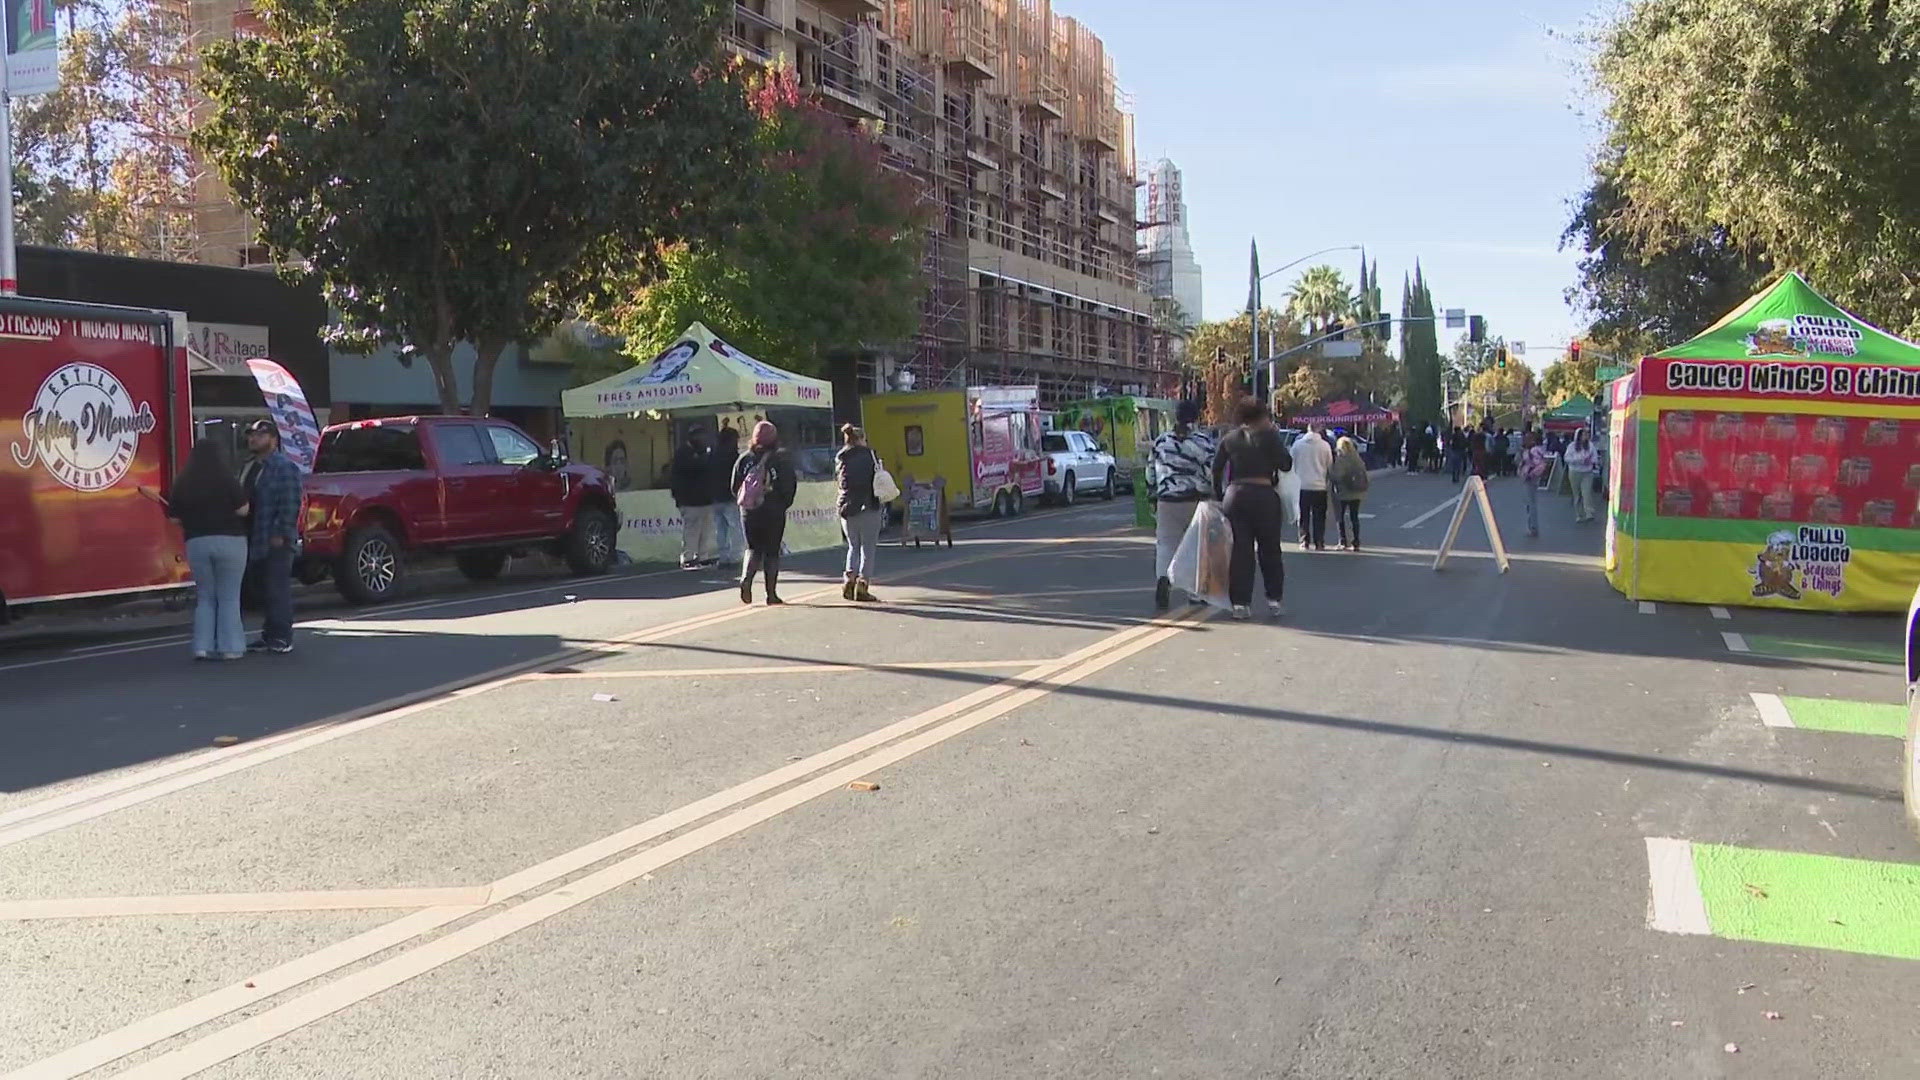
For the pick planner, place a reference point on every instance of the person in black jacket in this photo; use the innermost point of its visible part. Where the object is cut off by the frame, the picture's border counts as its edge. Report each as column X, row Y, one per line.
column 692, row 486
column 730, row 541
column 764, row 484
column 861, row 512
column 211, row 507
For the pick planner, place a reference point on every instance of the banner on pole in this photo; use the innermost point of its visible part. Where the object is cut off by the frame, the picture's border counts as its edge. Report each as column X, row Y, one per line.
column 33, row 48
column 287, row 404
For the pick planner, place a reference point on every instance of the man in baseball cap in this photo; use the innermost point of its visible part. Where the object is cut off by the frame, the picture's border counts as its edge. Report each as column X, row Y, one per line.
column 273, row 489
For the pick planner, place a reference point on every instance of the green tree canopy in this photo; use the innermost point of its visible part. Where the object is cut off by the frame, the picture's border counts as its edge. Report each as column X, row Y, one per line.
column 827, row 258
column 1318, row 297
column 1644, row 298
column 457, row 170
column 1420, row 362
column 1785, row 123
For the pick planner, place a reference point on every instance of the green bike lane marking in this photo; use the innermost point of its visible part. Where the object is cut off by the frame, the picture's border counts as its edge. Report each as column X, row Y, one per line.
column 1827, row 714
column 1784, row 898
column 1786, row 648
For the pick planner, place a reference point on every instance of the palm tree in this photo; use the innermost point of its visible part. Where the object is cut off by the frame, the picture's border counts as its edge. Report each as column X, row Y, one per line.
column 1319, row 297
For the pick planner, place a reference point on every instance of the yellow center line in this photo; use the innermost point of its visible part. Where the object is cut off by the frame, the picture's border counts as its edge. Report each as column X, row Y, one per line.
column 847, row 762
column 822, row 668
column 95, row 907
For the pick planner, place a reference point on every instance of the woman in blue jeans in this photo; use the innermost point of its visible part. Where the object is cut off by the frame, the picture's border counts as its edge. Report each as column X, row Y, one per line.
column 861, row 511
column 210, row 505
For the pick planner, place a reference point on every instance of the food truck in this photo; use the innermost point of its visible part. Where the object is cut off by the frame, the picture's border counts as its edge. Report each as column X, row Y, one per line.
column 1125, row 424
column 1770, row 462
column 984, row 441
column 93, row 407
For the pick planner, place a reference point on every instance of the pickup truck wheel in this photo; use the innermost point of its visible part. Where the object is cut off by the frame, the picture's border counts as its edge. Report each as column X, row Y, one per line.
column 590, row 544
column 370, row 569
column 1107, row 492
column 1069, row 490
column 481, row 565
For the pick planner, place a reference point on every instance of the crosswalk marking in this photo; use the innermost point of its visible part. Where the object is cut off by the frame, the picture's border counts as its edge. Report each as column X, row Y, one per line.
column 1674, row 904
column 1773, row 711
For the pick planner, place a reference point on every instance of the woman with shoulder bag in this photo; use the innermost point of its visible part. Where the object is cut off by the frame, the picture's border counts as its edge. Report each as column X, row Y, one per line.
column 864, row 494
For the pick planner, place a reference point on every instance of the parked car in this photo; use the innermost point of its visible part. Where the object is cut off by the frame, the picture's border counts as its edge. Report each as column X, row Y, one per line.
column 1076, row 465
column 1910, row 774
column 383, row 491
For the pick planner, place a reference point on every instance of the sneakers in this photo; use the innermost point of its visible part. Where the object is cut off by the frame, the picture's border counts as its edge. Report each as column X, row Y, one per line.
column 1162, row 594
column 1242, row 612
column 281, row 647
column 1275, row 609
column 257, row 645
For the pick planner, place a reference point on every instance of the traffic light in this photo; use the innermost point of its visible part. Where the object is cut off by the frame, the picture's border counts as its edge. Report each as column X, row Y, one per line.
column 1500, row 358
column 1573, row 353
column 1476, row 329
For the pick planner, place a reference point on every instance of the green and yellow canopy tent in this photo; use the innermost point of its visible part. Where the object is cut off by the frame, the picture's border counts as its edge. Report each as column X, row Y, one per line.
column 1772, row 461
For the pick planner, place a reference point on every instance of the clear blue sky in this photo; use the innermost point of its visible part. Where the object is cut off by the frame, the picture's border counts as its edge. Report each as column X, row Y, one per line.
column 1452, row 133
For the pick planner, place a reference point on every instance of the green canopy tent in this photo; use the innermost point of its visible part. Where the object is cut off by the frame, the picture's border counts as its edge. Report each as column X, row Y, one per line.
column 1772, row 461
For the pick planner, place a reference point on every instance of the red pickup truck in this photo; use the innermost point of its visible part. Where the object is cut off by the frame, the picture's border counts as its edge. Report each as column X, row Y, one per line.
column 481, row 489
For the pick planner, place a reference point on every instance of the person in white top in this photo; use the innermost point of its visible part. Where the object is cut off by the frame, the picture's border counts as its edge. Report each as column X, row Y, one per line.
column 1582, row 460
column 1312, row 459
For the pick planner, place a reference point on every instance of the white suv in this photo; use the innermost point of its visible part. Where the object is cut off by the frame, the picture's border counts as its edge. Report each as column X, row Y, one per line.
column 1077, row 465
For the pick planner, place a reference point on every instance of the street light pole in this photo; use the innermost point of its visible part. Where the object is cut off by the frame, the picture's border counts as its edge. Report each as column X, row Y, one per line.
column 1253, row 316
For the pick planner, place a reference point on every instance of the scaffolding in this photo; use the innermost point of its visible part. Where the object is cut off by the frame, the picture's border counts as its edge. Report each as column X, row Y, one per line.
column 1011, row 122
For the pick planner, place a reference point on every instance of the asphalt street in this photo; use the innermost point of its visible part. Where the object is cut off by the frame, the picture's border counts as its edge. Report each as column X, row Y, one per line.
column 1008, row 823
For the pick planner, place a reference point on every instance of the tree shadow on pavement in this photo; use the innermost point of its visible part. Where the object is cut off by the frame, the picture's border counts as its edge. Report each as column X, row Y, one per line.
column 1340, row 723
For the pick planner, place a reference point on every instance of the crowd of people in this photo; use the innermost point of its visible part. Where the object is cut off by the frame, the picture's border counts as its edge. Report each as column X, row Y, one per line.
column 241, row 528
column 1242, row 469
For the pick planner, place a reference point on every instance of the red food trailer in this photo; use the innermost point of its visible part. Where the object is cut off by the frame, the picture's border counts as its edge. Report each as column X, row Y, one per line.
column 93, row 406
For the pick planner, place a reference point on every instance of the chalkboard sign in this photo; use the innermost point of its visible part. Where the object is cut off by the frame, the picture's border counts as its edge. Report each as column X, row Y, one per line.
column 926, row 516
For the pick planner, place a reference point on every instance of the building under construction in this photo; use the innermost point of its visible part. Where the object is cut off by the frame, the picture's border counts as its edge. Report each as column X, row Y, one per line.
column 1011, row 120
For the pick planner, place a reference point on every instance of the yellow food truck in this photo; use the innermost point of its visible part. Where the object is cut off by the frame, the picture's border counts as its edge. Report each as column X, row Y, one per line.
column 984, row 441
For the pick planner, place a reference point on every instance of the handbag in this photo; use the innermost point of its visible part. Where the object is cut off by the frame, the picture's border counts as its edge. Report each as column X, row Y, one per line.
column 885, row 488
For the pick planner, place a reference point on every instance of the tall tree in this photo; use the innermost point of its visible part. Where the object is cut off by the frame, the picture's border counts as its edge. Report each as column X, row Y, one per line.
column 1643, row 298
column 1787, row 123
column 827, row 257
column 1420, row 352
column 1319, row 297
column 106, row 151
column 470, row 170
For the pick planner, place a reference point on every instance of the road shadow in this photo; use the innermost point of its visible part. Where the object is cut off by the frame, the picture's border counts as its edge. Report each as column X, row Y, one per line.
column 1303, row 718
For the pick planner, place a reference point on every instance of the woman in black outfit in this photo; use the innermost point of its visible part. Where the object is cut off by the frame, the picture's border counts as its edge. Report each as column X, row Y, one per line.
column 1246, row 468
column 763, row 485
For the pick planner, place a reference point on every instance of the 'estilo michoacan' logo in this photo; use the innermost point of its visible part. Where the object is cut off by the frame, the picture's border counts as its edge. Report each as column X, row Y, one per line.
column 84, row 428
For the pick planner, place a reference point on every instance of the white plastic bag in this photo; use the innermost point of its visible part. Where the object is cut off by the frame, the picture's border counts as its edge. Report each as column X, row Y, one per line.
column 1289, row 489
column 1201, row 563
